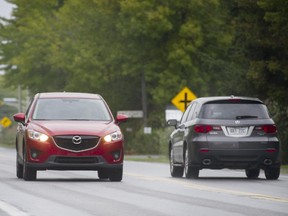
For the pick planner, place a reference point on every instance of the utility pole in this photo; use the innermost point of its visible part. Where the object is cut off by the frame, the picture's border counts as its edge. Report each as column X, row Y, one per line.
column 19, row 98
column 144, row 98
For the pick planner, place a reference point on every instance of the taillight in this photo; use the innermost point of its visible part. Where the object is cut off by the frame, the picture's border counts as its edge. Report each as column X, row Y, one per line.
column 205, row 128
column 271, row 150
column 204, row 150
column 267, row 128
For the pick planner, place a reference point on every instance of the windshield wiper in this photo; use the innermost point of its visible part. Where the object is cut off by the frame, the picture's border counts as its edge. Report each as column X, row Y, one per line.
column 76, row 119
column 246, row 117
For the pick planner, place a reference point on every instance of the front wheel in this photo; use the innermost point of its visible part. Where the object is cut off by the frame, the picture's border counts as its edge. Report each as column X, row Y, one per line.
column 29, row 174
column 175, row 171
column 103, row 174
column 116, row 175
column 272, row 173
column 190, row 172
column 19, row 168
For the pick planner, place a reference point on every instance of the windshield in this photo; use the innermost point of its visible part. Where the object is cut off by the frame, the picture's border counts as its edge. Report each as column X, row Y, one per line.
column 234, row 111
column 71, row 109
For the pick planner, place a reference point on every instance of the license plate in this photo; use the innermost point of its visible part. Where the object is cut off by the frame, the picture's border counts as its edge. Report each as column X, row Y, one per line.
column 237, row 131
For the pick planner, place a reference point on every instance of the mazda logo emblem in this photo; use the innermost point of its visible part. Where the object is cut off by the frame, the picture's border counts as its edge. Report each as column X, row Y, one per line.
column 237, row 122
column 76, row 140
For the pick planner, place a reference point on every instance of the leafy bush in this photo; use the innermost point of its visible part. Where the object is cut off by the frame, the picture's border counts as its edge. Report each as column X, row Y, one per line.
column 154, row 143
column 7, row 136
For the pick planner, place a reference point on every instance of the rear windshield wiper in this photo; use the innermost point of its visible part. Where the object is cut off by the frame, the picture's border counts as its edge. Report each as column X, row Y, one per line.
column 246, row 117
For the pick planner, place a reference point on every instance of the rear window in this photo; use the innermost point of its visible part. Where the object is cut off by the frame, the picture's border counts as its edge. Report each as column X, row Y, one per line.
column 234, row 111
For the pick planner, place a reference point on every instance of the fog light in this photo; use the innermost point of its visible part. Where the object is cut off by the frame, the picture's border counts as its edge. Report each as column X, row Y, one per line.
column 116, row 155
column 34, row 153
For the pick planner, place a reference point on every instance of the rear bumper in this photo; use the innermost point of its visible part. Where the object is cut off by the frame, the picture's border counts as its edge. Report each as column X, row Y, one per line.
column 242, row 153
column 74, row 163
column 236, row 159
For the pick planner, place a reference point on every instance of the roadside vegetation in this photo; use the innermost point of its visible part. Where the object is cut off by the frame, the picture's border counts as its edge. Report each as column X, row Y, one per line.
column 284, row 169
column 139, row 54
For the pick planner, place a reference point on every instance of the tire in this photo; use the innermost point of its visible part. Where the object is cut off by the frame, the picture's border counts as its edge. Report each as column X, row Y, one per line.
column 19, row 168
column 103, row 174
column 252, row 173
column 190, row 172
column 29, row 174
column 175, row 171
column 116, row 175
column 272, row 173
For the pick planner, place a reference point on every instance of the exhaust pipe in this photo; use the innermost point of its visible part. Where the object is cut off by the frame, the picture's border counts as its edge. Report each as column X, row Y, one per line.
column 267, row 162
column 206, row 162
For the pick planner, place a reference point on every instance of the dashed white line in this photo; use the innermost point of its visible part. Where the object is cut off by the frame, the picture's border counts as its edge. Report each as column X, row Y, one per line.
column 11, row 210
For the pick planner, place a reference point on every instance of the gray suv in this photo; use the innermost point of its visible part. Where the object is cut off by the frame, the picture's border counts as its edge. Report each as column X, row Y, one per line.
column 224, row 132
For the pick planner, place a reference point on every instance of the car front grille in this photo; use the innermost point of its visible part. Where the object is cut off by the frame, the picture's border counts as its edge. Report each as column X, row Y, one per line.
column 76, row 160
column 82, row 143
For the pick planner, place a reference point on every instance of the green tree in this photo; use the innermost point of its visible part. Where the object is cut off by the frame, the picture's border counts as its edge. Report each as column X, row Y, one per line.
column 260, row 39
column 76, row 45
column 121, row 48
column 29, row 38
column 92, row 52
column 175, row 44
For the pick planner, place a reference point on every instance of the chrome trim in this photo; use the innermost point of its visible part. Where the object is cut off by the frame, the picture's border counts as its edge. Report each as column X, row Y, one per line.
column 76, row 140
column 78, row 150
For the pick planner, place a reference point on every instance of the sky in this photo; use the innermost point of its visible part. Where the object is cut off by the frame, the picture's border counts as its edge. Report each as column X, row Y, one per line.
column 5, row 9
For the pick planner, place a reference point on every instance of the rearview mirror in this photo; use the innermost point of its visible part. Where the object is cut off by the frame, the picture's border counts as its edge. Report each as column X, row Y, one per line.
column 19, row 117
column 121, row 118
column 172, row 122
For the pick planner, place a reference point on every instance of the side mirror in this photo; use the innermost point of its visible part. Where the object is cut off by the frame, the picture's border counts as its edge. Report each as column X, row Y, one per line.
column 19, row 117
column 121, row 118
column 172, row 122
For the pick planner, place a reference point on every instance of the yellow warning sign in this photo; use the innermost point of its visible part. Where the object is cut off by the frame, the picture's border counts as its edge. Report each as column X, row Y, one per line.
column 183, row 99
column 5, row 122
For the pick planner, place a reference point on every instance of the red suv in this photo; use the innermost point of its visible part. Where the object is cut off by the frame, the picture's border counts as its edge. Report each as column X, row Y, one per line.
column 69, row 131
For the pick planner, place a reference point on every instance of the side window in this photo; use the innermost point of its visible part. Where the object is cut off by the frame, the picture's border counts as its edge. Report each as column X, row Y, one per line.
column 191, row 114
column 184, row 117
column 197, row 111
column 28, row 110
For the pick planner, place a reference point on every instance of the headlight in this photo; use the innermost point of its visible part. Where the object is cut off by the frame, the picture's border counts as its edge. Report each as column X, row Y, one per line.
column 117, row 135
column 37, row 136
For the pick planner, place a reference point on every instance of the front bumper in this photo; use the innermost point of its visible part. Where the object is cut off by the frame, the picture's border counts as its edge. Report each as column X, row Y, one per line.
column 74, row 163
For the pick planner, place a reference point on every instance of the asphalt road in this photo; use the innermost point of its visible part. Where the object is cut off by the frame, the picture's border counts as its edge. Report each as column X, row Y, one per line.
column 146, row 189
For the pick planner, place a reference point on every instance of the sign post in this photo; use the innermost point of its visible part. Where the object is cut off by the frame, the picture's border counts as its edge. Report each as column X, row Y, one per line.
column 183, row 98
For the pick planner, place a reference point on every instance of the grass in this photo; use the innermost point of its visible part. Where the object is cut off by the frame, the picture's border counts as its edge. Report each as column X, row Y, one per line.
column 6, row 145
column 284, row 169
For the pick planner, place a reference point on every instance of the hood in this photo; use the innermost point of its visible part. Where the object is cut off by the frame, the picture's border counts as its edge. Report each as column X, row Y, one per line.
column 52, row 128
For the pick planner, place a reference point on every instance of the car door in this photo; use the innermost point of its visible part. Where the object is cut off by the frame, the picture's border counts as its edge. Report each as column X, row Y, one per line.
column 21, row 129
column 178, row 137
column 186, row 129
column 19, row 139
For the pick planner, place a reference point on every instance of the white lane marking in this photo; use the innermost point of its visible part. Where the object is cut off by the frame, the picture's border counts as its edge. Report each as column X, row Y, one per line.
column 11, row 210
